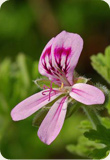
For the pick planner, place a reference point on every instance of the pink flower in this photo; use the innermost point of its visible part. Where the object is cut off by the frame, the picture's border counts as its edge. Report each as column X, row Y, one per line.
column 57, row 62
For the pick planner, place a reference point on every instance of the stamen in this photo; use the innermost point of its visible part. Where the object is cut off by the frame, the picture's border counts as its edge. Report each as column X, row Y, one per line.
column 62, row 85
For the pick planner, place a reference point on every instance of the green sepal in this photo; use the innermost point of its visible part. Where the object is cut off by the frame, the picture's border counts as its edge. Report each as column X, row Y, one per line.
column 44, row 81
column 81, row 80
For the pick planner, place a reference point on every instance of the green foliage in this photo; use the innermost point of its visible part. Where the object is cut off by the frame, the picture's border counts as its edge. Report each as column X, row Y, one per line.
column 106, row 122
column 101, row 63
column 15, row 85
column 83, row 146
column 96, row 143
column 101, row 135
column 100, row 153
column 85, row 125
column 108, row 105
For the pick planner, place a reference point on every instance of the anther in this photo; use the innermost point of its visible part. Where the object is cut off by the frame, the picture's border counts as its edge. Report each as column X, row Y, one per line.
column 62, row 85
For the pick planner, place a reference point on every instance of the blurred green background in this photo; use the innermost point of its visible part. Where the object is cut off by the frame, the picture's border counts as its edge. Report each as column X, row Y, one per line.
column 25, row 28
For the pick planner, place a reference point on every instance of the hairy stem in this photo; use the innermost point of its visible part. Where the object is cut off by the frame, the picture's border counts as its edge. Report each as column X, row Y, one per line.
column 92, row 115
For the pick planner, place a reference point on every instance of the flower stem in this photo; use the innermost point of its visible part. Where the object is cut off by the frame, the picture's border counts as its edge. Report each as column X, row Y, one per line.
column 92, row 116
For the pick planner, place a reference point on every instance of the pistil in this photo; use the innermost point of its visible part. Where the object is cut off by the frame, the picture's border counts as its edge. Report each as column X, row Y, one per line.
column 50, row 90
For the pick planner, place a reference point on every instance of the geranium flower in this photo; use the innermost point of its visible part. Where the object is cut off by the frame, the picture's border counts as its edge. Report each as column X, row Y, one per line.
column 57, row 62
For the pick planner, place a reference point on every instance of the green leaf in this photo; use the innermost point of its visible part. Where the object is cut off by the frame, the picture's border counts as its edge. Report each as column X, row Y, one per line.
column 100, row 153
column 108, row 104
column 101, row 135
column 101, row 63
column 85, row 125
column 106, row 122
column 83, row 147
column 107, row 56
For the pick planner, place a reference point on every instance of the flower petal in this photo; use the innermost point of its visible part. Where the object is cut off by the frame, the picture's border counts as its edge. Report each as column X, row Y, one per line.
column 53, row 121
column 66, row 50
column 32, row 104
column 60, row 56
column 45, row 59
column 45, row 63
column 87, row 94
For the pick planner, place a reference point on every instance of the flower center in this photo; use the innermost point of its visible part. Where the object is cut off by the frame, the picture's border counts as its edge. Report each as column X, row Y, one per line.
column 63, row 89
